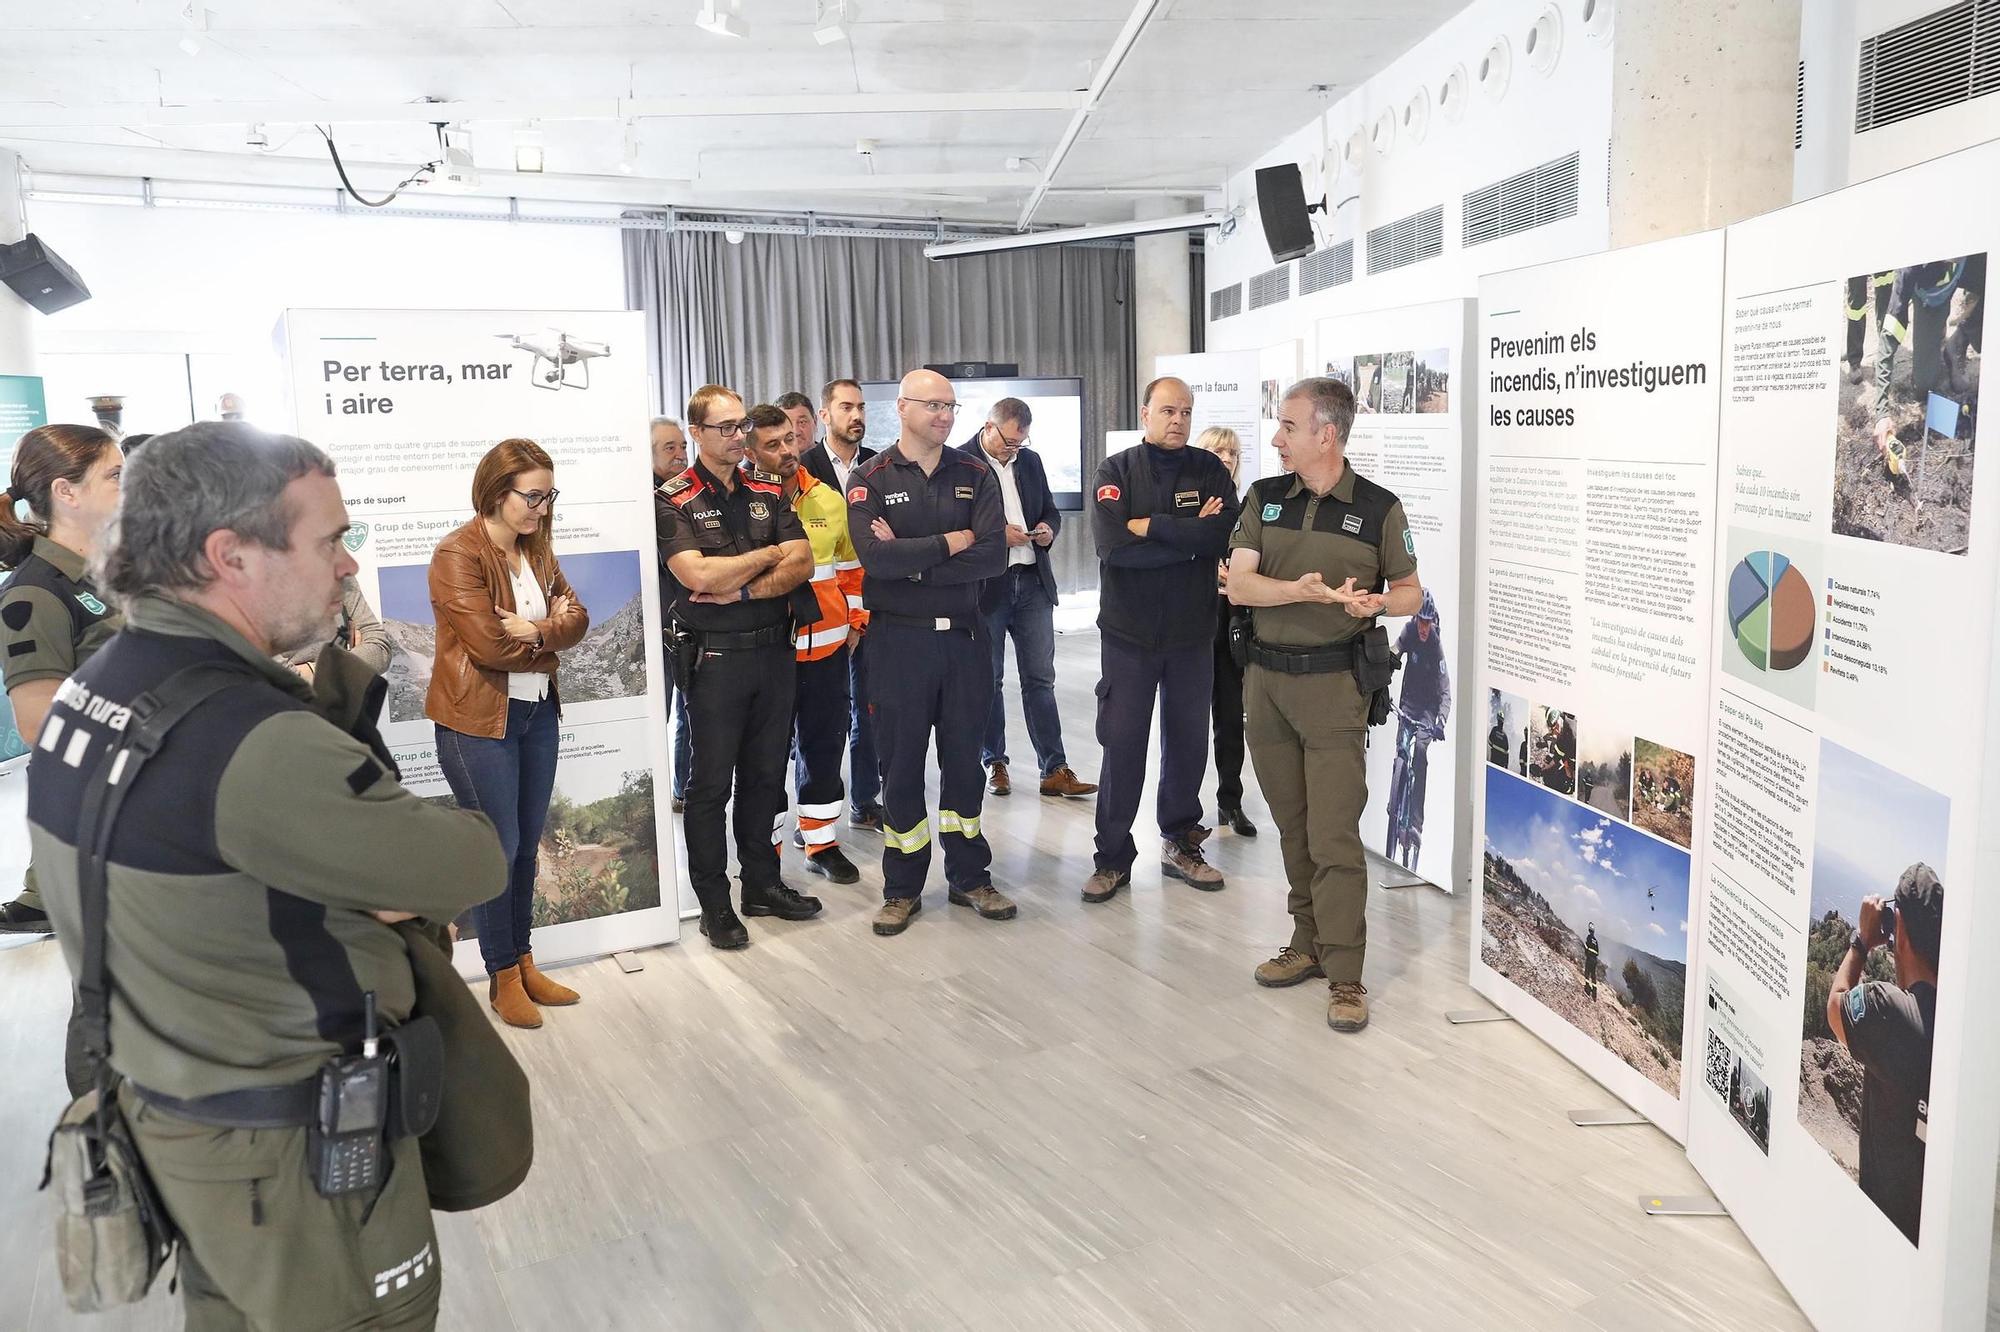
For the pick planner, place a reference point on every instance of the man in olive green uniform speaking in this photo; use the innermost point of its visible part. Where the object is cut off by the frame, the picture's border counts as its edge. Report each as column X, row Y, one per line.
column 255, row 869
column 1318, row 555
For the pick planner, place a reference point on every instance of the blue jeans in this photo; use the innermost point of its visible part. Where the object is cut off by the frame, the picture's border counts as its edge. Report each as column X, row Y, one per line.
column 683, row 744
column 1026, row 611
column 509, row 780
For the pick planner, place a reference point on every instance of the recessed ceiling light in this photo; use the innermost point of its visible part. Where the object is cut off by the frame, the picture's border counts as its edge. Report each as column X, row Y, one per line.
column 710, row 19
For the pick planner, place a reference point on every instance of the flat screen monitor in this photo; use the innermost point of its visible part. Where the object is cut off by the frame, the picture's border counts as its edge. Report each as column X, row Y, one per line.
column 1056, row 433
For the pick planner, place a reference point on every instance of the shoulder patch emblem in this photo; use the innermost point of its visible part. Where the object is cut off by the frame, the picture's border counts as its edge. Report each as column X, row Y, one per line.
column 1409, row 543
column 768, row 478
column 856, row 494
column 1857, row 1005
column 90, row 603
column 17, row 614
column 1107, row 493
column 1271, row 512
column 677, row 484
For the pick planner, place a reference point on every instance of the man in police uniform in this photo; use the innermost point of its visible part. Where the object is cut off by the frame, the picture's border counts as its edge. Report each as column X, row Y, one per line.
column 669, row 461
column 1318, row 555
column 929, row 526
column 1889, row 1030
column 255, row 869
column 737, row 551
column 821, row 642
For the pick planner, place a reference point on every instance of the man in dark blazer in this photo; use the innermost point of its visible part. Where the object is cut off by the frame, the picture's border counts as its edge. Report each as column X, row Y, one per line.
column 1022, row 602
column 833, row 460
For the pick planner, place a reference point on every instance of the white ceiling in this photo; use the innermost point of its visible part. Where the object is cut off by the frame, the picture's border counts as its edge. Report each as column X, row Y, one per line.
column 103, row 86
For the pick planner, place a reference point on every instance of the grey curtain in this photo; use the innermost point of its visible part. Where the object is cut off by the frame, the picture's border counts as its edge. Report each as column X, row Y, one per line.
column 777, row 313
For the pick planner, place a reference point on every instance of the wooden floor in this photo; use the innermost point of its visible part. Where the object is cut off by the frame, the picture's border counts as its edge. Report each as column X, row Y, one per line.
column 1086, row 1118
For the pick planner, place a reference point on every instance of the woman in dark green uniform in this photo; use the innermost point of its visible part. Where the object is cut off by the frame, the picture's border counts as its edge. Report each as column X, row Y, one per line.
column 61, row 493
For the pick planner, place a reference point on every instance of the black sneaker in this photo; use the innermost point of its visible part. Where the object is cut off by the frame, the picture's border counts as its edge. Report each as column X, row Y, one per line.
column 779, row 901
column 833, row 863
column 867, row 816
column 20, row 918
column 722, row 929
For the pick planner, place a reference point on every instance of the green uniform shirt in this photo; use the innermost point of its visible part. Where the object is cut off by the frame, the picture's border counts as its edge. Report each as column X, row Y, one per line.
column 51, row 619
column 1356, row 530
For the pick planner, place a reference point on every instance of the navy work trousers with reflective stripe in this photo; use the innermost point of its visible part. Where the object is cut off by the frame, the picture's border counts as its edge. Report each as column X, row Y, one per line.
column 926, row 680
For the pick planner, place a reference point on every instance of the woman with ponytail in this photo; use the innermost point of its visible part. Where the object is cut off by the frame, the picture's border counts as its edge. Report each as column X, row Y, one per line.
column 61, row 493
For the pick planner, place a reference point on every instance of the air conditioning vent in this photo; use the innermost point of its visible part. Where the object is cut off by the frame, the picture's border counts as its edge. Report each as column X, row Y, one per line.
column 1799, row 111
column 1226, row 302
column 1529, row 199
column 1323, row 270
column 1407, row 240
column 1939, row 60
column 1269, row 288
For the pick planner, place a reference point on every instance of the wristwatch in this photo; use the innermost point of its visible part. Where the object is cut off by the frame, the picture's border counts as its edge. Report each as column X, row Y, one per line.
column 743, row 593
column 1854, row 941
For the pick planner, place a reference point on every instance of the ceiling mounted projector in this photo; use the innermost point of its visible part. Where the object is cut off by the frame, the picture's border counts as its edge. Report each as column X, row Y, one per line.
column 712, row 20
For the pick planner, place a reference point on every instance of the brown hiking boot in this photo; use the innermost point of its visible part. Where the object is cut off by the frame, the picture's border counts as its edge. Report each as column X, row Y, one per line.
column 510, row 1001
column 543, row 990
column 987, row 900
column 1348, row 1009
column 894, row 917
column 1063, row 782
column 1289, row 967
column 1104, row 885
column 1001, row 784
column 1181, row 859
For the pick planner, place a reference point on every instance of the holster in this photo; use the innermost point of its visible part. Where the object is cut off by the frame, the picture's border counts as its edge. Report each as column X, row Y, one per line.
column 1375, row 664
column 1240, row 635
column 416, row 1076
column 112, row 1234
column 683, row 655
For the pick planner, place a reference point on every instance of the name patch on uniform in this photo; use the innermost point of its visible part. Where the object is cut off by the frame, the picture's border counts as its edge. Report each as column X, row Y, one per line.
column 1271, row 512
column 22, row 648
column 1410, row 542
column 1106, row 493
column 711, row 522
column 901, row 497
column 962, row 492
column 1351, row 523
column 90, row 603
column 759, row 510
column 1187, row 499
column 857, row 494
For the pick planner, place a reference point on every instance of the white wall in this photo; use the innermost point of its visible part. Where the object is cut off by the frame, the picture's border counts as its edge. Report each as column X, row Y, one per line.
column 1538, row 118
column 1834, row 155
column 172, row 282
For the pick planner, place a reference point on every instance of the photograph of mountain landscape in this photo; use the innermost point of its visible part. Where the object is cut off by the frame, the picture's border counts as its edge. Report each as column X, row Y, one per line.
column 1560, row 877
column 1872, row 824
column 610, row 662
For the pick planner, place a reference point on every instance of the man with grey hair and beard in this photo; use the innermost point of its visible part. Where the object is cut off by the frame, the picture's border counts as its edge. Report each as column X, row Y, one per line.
column 255, row 873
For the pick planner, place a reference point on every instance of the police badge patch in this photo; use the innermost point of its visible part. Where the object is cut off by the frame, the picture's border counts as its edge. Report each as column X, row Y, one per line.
column 1410, row 543
column 1271, row 512
column 759, row 510
column 90, row 603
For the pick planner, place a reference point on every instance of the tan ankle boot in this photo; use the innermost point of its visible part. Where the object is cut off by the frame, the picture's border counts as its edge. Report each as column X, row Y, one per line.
column 509, row 1000
column 543, row 990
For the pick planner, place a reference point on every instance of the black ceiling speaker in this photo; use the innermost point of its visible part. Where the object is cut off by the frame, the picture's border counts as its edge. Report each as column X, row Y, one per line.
column 40, row 277
column 1281, row 202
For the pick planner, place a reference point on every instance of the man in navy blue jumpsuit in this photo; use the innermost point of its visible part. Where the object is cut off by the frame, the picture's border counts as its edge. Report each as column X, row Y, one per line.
column 1161, row 513
column 929, row 527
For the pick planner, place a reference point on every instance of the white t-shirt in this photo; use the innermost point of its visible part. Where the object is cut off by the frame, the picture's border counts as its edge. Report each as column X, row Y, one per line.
column 1010, row 500
column 529, row 604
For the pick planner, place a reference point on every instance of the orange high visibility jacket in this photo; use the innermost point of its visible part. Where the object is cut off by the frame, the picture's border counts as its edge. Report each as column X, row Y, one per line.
column 836, row 575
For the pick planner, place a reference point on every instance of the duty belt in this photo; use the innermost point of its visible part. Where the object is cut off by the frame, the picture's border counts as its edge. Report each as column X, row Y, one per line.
column 710, row 640
column 1303, row 661
column 938, row 623
column 289, row 1106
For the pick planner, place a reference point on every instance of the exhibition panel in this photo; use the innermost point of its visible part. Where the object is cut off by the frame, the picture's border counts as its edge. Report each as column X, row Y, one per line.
column 1595, row 538
column 22, row 408
column 1410, row 433
column 1851, row 1100
column 407, row 402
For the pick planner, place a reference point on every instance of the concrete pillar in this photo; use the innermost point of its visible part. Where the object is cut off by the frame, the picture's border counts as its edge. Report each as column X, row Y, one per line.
column 1159, row 287
column 17, row 329
column 1701, row 115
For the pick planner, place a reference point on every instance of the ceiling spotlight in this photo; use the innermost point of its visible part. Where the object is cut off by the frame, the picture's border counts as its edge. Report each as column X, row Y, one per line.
column 256, row 137
column 830, row 25
column 733, row 236
column 712, row 20
column 528, row 154
column 1017, row 164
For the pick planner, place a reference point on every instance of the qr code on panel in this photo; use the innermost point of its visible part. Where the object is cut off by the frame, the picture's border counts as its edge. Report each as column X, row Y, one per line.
column 1721, row 1059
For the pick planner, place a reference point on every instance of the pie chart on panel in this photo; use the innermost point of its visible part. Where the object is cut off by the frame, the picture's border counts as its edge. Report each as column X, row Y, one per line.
column 1771, row 611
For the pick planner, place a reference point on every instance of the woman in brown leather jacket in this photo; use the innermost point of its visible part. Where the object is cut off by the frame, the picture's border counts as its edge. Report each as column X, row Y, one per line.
column 503, row 611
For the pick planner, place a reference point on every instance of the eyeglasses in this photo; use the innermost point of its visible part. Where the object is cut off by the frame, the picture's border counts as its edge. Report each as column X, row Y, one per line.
column 726, row 429
column 934, row 407
column 1001, row 435
column 535, row 499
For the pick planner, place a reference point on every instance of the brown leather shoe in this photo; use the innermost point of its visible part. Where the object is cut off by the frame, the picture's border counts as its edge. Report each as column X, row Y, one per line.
column 510, row 1001
column 1104, row 885
column 1347, row 1010
column 894, row 917
column 987, row 900
column 1001, row 783
column 1289, row 967
column 1063, row 782
column 543, row 990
